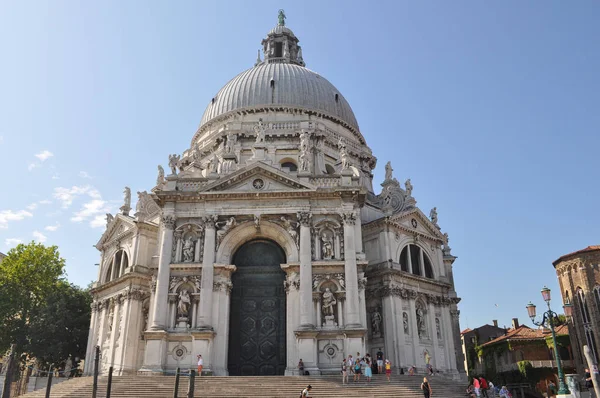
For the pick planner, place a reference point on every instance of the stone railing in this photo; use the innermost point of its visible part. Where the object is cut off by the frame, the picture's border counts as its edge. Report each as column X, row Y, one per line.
column 325, row 182
column 336, row 137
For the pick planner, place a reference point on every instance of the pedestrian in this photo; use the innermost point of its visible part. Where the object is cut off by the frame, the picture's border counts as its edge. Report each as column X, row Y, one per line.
column 426, row 388
column 504, row 393
column 368, row 370
column 357, row 371
column 471, row 391
column 589, row 384
column 476, row 386
column 388, row 369
column 430, row 370
column 492, row 389
column 379, row 361
column 350, row 364
column 200, row 364
column 306, row 391
column 344, row 372
column 551, row 389
column 484, row 386
column 301, row 367
column 411, row 371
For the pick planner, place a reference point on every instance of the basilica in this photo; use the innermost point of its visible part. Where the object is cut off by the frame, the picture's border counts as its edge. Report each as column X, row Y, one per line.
column 265, row 243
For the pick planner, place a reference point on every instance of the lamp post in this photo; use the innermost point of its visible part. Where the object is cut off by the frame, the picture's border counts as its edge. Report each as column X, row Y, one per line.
column 549, row 317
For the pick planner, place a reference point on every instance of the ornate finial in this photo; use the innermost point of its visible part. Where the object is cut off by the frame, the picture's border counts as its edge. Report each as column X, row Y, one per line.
column 281, row 16
column 258, row 60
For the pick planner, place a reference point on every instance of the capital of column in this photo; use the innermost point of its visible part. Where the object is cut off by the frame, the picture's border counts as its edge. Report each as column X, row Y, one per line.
column 304, row 218
column 348, row 217
column 168, row 221
column 209, row 221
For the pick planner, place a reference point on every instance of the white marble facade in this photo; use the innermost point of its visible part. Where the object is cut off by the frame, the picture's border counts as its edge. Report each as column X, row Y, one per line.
column 279, row 157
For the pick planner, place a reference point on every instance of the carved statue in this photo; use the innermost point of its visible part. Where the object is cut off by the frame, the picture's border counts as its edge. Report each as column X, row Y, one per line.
column 405, row 321
column 304, row 141
column 184, row 303
column 224, row 227
column 173, row 162
column 446, row 238
column 161, row 176
column 109, row 219
column 231, row 140
column 290, row 226
column 260, row 131
column 127, row 197
column 433, row 215
column 140, row 203
column 345, row 159
column 408, row 187
column 388, row 171
column 326, row 246
column 281, row 17
column 304, row 162
column 188, row 250
column 328, row 302
column 421, row 323
column 376, row 323
column 256, row 221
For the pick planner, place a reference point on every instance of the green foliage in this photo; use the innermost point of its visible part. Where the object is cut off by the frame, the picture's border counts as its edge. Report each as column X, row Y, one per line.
column 60, row 328
column 562, row 340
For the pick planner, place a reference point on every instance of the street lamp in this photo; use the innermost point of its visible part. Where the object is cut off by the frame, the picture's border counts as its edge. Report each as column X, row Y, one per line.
column 549, row 317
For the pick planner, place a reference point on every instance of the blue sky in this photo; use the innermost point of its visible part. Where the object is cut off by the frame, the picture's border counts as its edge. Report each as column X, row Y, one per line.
column 491, row 108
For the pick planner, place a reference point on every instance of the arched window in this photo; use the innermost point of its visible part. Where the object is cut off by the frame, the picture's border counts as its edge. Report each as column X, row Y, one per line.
column 289, row 165
column 583, row 306
column 413, row 259
column 117, row 266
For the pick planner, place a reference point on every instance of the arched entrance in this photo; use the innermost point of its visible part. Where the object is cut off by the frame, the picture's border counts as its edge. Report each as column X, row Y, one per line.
column 257, row 317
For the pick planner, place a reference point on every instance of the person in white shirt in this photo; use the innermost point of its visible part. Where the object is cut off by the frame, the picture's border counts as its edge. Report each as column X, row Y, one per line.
column 350, row 363
column 200, row 363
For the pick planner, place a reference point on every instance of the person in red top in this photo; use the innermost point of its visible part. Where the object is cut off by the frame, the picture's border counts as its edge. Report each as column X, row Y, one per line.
column 484, row 386
column 476, row 386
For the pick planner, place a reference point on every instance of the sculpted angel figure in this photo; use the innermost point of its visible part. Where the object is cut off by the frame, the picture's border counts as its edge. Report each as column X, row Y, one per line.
column 408, row 187
column 161, row 175
column 290, row 227
column 173, row 162
column 184, row 303
column 433, row 215
column 224, row 227
column 188, row 250
column 328, row 302
column 260, row 131
column 388, row 171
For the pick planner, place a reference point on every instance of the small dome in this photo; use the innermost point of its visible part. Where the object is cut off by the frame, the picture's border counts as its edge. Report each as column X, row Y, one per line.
column 281, row 84
column 280, row 30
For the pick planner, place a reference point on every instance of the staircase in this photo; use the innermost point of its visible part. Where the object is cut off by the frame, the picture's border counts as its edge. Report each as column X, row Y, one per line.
column 401, row 386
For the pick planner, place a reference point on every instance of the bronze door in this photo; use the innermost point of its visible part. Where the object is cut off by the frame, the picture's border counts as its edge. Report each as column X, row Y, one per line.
column 257, row 317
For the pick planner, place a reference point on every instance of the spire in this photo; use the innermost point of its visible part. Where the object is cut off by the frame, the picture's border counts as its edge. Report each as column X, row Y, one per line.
column 258, row 60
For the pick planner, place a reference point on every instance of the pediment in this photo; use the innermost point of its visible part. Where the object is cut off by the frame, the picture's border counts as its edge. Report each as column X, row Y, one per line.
column 407, row 221
column 118, row 227
column 257, row 177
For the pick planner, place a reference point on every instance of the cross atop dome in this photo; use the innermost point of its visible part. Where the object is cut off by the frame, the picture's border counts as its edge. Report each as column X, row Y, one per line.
column 281, row 45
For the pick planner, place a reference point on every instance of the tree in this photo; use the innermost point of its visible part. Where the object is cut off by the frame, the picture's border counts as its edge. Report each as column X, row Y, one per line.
column 60, row 327
column 28, row 275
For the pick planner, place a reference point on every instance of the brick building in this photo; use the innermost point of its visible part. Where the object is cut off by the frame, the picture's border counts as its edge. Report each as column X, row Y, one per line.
column 470, row 338
column 579, row 279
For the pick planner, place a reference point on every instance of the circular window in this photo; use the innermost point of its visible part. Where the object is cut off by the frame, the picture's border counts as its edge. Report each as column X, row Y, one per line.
column 258, row 183
column 414, row 223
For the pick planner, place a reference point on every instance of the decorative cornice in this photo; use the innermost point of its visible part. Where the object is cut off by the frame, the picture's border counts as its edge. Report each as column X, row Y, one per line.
column 406, row 293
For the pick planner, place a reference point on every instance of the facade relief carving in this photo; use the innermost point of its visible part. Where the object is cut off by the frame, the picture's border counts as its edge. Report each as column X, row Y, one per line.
column 405, row 323
column 292, row 281
column 223, row 228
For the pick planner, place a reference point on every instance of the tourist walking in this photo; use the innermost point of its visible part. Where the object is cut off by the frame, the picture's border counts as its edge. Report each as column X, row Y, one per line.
column 200, row 364
column 388, row 369
column 344, row 372
column 306, row 392
column 350, row 364
column 301, row 367
column 484, row 386
column 426, row 388
column 379, row 361
column 368, row 370
column 357, row 370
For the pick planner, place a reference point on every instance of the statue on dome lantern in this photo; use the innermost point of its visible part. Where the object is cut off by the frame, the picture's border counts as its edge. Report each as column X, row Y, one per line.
column 281, row 17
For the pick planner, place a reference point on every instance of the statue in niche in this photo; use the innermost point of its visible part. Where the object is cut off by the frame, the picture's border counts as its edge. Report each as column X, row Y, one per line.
column 290, row 226
column 326, row 246
column 188, row 250
column 160, row 179
column 173, row 162
column 184, row 303
column 304, row 162
column 109, row 219
column 376, row 323
column 388, row 171
column 438, row 328
column 224, row 227
column 421, row 323
column 433, row 215
column 405, row 322
column 231, row 140
column 409, row 187
column 260, row 131
column 127, row 197
column 328, row 303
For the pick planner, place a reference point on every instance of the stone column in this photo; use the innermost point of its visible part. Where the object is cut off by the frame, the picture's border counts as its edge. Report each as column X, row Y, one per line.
column 178, row 246
column 454, row 315
column 116, row 325
column 436, row 345
column 362, row 303
column 448, row 341
column 208, row 275
column 352, row 309
column 358, row 233
column 306, row 306
column 89, row 352
column 159, row 312
column 134, row 319
column 340, row 312
column 113, row 272
column 317, row 301
column 194, row 311
column 125, row 304
column 414, row 328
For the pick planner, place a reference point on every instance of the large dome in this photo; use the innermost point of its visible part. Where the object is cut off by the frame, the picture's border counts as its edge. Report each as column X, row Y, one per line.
column 280, row 84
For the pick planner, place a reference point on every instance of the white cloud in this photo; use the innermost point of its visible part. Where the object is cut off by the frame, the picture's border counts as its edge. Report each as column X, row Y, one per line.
column 9, row 215
column 89, row 209
column 55, row 177
column 67, row 195
column 98, row 221
column 32, row 206
column 44, row 155
column 52, row 228
column 39, row 236
column 84, row 174
column 31, row 166
column 12, row 242
column 45, row 202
